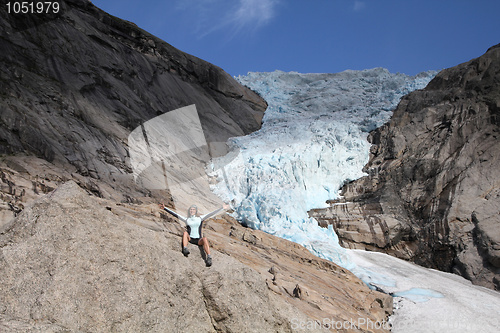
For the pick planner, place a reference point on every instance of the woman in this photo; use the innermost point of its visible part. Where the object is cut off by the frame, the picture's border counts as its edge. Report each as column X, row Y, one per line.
column 194, row 225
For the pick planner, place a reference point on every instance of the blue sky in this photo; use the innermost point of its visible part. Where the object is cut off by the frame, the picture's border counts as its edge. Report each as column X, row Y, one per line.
column 320, row 36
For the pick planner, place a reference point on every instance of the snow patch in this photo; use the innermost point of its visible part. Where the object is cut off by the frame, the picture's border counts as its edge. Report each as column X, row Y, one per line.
column 428, row 300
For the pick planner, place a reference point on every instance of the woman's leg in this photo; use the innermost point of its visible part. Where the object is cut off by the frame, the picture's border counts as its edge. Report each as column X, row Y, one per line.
column 185, row 240
column 204, row 242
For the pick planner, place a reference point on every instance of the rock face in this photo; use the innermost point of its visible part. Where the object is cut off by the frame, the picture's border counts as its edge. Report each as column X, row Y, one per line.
column 74, row 85
column 73, row 262
column 432, row 192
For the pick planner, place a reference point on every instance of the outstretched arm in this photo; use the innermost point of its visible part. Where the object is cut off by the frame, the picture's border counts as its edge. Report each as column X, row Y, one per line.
column 215, row 212
column 180, row 217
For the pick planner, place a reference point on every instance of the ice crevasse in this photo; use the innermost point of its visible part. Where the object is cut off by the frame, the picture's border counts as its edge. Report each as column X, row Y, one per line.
column 312, row 140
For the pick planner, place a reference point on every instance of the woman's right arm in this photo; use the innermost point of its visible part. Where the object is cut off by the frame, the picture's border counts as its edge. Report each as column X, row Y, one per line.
column 180, row 217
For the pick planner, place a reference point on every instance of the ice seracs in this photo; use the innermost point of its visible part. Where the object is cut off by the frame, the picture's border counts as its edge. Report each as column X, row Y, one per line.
column 312, row 140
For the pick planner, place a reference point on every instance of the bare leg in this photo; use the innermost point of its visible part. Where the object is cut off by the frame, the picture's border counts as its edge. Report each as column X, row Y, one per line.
column 204, row 242
column 185, row 239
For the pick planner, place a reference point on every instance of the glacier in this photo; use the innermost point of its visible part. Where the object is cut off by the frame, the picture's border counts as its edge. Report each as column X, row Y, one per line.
column 312, row 140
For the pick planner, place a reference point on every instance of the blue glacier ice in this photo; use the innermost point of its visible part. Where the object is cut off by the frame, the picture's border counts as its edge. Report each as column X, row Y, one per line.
column 313, row 139
column 418, row 294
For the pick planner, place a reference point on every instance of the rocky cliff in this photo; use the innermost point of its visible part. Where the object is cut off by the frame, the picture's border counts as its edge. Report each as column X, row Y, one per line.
column 83, row 247
column 432, row 192
column 74, row 85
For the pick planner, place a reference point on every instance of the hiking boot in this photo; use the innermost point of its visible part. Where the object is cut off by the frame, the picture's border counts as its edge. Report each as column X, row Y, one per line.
column 208, row 261
column 185, row 251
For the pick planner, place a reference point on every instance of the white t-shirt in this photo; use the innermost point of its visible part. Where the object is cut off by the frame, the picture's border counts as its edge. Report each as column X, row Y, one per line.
column 194, row 224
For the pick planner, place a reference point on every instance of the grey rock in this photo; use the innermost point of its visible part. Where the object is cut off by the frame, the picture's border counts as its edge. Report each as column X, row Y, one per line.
column 73, row 87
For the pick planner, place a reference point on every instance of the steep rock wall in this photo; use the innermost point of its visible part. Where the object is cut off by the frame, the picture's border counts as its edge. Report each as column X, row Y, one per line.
column 74, row 85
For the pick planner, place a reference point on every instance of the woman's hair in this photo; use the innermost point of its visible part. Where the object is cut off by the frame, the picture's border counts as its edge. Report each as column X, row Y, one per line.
column 189, row 211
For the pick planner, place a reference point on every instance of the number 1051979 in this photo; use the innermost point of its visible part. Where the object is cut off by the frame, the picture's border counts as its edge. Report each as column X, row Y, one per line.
column 33, row 7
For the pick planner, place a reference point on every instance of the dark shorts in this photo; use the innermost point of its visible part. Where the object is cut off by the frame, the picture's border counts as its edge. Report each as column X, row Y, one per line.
column 194, row 241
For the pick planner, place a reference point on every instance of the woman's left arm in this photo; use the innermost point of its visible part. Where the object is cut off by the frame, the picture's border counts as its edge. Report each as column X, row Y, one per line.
column 215, row 212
